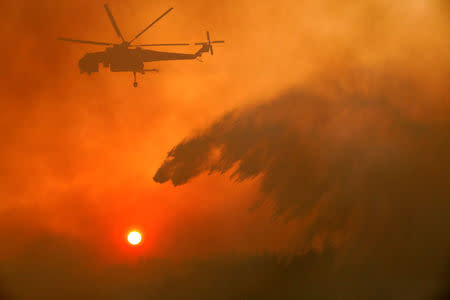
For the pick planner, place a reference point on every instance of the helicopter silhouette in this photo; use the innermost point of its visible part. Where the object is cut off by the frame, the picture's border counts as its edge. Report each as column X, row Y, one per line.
column 130, row 57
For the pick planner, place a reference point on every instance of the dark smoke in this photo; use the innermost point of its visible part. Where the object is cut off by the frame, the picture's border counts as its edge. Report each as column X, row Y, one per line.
column 309, row 148
column 347, row 160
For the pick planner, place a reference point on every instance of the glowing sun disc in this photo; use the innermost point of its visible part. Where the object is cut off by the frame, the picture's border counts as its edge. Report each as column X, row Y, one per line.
column 134, row 238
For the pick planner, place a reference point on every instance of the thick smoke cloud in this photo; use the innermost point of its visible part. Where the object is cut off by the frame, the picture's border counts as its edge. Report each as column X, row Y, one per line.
column 348, row 161
column 310, row 148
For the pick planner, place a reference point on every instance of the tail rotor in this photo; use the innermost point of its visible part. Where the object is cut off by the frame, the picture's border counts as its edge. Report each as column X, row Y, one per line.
column 209, row 43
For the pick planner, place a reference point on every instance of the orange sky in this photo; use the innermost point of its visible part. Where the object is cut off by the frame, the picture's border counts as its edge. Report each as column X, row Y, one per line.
column 354, row 98
column 79, row 153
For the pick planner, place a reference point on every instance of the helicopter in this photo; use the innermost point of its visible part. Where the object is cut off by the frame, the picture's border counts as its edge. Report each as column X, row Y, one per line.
column 129, row 57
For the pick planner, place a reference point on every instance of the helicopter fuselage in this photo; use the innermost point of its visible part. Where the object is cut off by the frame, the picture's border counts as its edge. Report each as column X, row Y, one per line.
column 121, row 58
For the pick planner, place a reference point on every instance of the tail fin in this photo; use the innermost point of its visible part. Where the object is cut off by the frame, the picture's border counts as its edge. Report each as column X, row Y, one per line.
column 203, row 49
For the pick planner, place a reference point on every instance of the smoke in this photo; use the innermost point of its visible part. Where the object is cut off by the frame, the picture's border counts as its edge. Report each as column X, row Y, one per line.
column 313, row 151
column 356, row 161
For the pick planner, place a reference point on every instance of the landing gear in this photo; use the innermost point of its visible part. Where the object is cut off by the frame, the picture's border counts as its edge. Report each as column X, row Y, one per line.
column 135, row 84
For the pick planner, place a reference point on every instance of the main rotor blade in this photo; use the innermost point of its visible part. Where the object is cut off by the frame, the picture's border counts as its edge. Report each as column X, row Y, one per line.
column 140, row 33
column 150, row 45
column 113, row 22
column 85, row 42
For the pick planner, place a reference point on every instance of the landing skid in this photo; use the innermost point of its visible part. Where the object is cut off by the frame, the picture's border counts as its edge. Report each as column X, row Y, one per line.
column 135, row 84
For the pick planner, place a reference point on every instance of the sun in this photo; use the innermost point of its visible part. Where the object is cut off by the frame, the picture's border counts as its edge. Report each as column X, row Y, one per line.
column 134, row 238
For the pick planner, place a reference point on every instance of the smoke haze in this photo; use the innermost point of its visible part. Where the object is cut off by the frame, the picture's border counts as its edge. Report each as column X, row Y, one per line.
column 330, row 117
